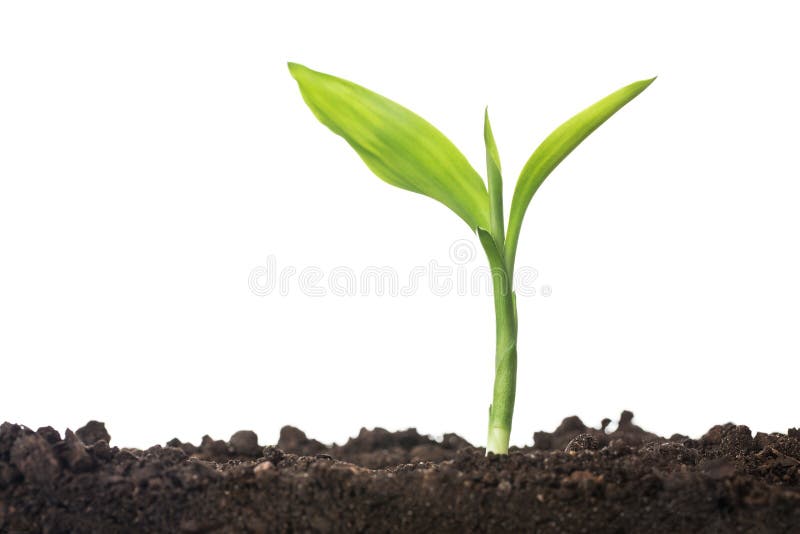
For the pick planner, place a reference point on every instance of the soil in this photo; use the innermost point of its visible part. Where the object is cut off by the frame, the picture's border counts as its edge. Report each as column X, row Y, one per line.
column 575, row 479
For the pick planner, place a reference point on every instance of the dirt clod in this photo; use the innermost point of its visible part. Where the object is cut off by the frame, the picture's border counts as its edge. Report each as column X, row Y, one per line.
column 245, row 443
column 93, row 432
column 73, row 453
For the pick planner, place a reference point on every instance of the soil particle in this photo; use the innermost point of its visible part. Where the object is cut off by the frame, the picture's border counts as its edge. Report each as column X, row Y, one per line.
column 50, row 434
column 101, row 450
column 213, row 448
column 73, row 453
column 262, row 470
column 187, row 448
column 295, row 441
column 245, row 443
column 583, row 442
column 570, row 428
column 574, row 479
column 272, row 454
column 93, row 432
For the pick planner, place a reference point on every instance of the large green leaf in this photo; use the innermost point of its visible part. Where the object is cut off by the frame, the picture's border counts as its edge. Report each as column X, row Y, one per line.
column 398, row 145
column 554, row 149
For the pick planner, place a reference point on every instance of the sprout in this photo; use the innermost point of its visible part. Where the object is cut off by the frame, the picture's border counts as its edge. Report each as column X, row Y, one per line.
column 406, row 151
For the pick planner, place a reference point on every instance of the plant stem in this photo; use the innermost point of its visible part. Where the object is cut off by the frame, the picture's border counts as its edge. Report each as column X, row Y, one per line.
column 505, row 367
column 505, row 379
column 505, row 361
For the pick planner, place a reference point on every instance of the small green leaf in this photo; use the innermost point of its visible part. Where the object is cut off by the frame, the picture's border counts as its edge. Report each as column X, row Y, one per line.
column 492, row 155
column 495, row 183
column 398, row 145
column 554, row 149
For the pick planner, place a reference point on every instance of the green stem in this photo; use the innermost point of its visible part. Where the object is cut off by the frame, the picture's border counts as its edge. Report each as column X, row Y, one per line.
column 502, row 409
column 505, row 308
column 505, row 373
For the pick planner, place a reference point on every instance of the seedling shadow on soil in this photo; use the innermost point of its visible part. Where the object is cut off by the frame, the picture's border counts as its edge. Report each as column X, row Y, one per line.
column 574, row 479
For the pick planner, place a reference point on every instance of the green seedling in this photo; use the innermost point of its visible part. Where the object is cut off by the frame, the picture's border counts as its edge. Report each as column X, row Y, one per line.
column 406, row 151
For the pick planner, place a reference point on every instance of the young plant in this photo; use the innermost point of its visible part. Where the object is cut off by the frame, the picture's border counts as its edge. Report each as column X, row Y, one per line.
column 406, row 151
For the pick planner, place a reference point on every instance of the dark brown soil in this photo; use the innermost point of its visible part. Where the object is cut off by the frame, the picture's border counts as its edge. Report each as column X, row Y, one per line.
column 575, row 479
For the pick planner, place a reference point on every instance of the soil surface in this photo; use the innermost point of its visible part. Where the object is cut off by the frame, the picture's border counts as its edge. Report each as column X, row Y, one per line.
column 575, row 479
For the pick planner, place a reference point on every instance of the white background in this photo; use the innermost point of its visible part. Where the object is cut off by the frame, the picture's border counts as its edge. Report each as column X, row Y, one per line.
column 153, row 153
